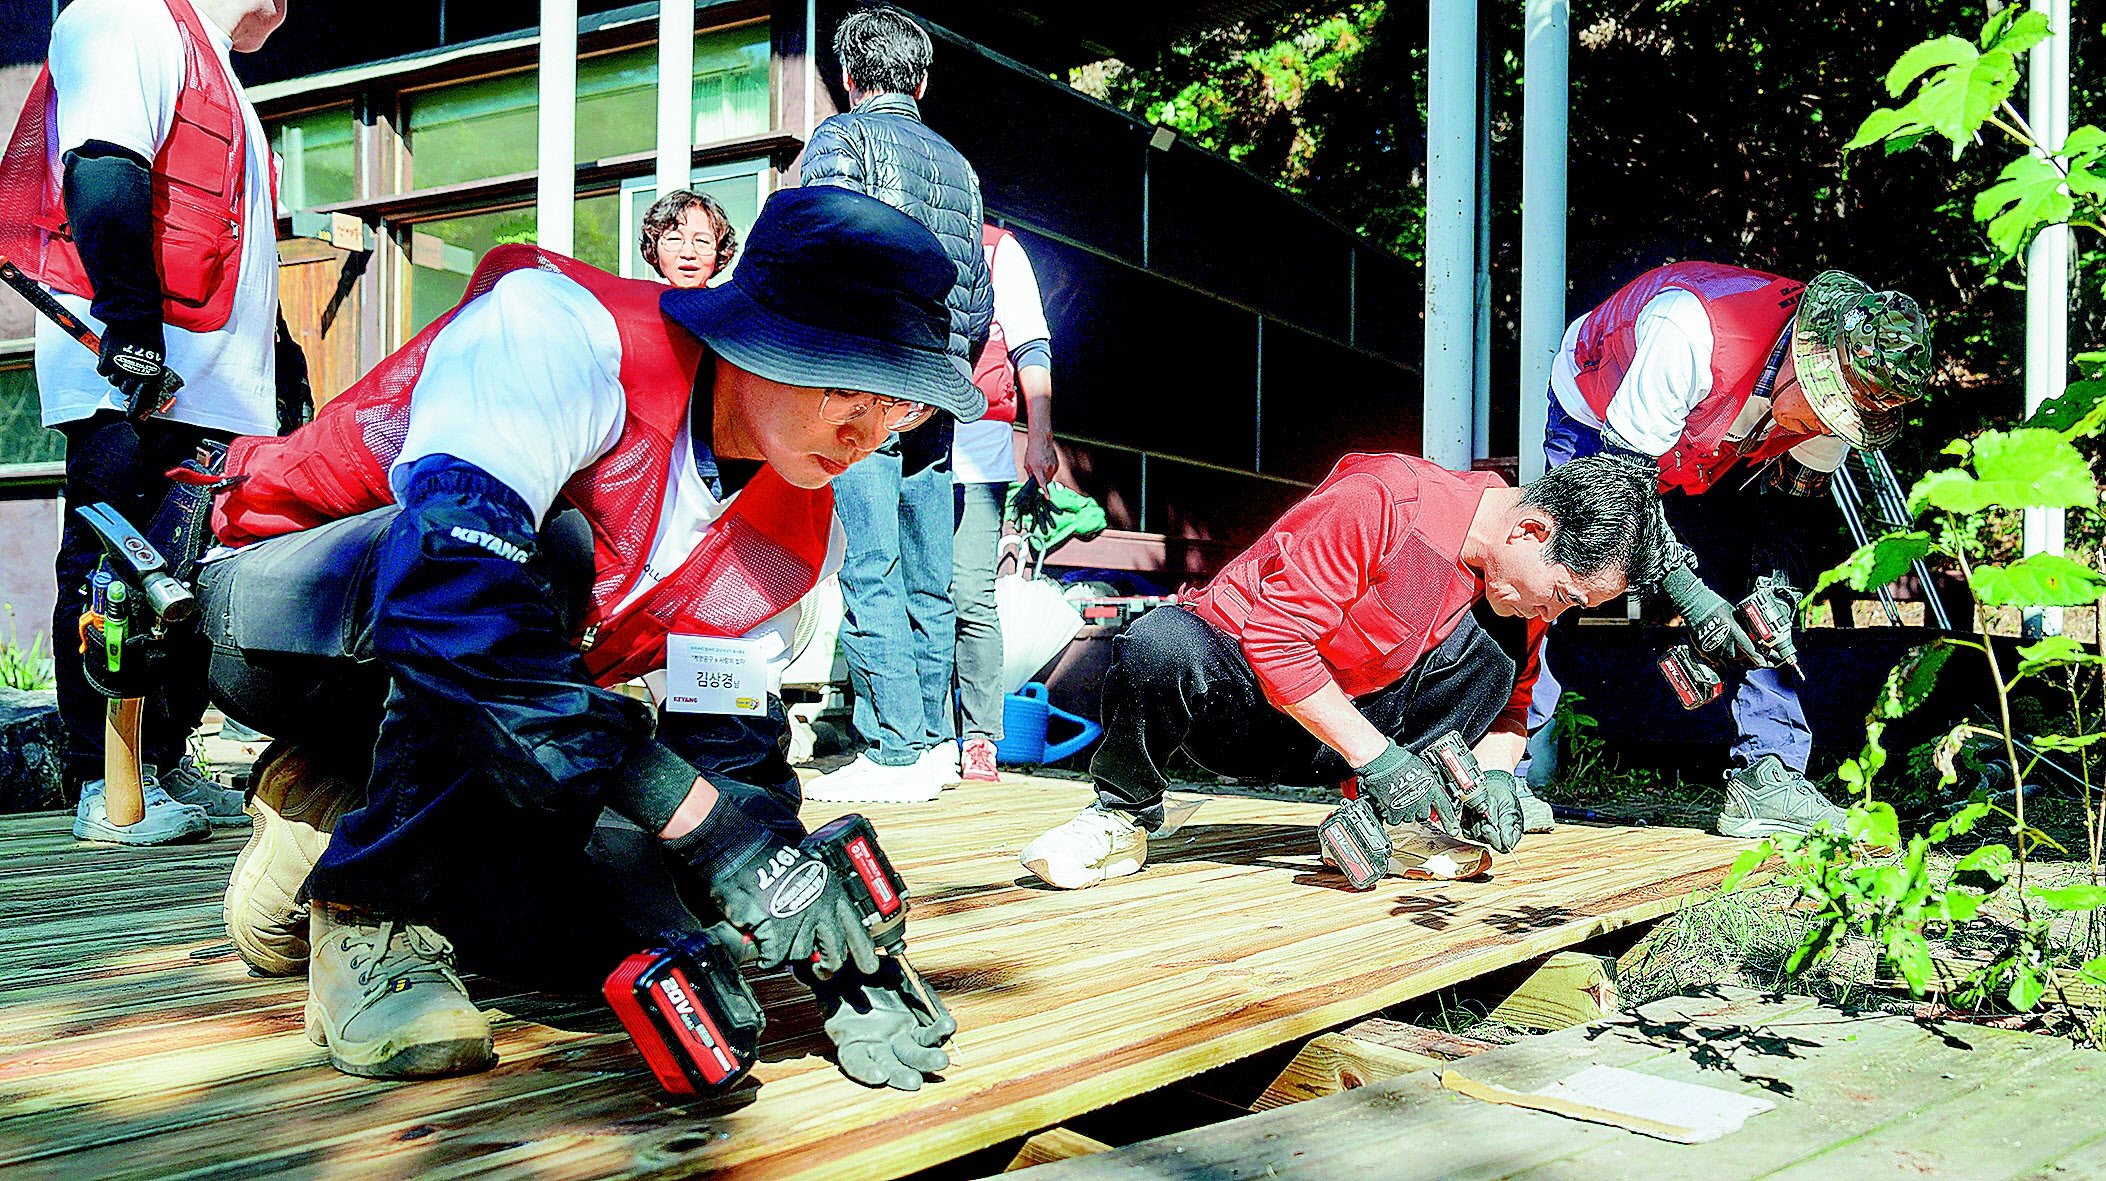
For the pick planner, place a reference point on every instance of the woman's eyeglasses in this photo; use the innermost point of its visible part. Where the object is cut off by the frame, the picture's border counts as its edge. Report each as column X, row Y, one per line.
column 841, row 407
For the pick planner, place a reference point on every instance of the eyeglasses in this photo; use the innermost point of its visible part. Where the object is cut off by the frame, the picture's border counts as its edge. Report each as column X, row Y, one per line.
column 841, row 407
column 675, row 240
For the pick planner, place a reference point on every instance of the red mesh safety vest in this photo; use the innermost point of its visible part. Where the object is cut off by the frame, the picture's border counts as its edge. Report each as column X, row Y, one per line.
column 199, row 180
column 1748, row 310
column 756, row 560
column 993, row 373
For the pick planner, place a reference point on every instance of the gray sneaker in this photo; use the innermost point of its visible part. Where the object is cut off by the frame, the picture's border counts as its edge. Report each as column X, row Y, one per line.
column 1535, row 810
column 166, row 821
column 1770, row 798
column 188, row 785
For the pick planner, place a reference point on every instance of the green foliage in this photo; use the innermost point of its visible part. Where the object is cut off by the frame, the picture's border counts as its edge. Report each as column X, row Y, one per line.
column 1959, row 88
column 23, row 667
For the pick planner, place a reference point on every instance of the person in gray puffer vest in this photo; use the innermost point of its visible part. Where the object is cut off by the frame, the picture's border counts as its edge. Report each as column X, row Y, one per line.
column 896, row 507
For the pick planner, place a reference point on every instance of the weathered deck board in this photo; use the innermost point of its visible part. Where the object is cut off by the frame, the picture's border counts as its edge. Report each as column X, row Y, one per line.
column 1863, row 1098
column 133, row 1044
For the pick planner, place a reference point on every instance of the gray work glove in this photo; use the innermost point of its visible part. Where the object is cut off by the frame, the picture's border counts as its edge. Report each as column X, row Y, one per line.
column 1713, row 628
column 1492, row 814
column 1405, row 788
column 888, row 1027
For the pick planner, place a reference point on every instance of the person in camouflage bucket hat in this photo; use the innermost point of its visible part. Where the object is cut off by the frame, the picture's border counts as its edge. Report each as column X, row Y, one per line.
column 1860, row 355
column 1745, row 391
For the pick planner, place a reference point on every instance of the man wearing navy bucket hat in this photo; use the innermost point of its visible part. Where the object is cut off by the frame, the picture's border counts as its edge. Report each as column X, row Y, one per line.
column 563, row 484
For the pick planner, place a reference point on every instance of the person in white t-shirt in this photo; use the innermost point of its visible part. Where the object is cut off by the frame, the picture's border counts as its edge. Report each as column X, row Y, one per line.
column 1015, row 368
column 438, row 586
column 1745, row 390
column 145, row 225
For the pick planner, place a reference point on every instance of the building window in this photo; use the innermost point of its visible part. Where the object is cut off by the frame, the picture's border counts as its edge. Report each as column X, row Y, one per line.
column 487, row 128
column 316, row 158
column 23, row 437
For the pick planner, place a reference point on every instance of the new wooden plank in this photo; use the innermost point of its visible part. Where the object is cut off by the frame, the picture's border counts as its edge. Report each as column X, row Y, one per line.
column 1233, row 941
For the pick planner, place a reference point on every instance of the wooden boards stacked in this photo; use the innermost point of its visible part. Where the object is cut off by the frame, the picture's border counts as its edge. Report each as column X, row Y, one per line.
column 134, row 1044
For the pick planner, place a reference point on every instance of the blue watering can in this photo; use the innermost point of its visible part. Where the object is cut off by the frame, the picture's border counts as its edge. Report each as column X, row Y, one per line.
column 1025, row 716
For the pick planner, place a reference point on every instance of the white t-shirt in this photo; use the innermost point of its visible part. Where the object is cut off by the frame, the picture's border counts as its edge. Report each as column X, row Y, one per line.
column 116, row 69
column 983, row 452
column 1669, row 377
column 525, row 383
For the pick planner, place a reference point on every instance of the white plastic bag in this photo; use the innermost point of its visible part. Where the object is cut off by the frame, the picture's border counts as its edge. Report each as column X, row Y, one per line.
column 1037, row 621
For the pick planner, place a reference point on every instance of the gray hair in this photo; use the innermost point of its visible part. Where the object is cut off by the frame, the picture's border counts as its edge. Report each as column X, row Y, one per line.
column 883, row 50
column 1606, row 516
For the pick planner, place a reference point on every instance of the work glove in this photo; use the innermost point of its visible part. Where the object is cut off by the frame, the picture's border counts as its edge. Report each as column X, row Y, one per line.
column 1492, row 813
column 134, row 359
column 888, row 1027
column 1713, row 628
column 1405, row 788
column 791, row 905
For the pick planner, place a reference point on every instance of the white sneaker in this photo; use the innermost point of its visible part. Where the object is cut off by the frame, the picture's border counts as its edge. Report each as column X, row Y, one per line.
column 1420, row 852
column 165, row 822
column 185, row 784
column 1097, row 844
column 943, row 762
column 867, row 782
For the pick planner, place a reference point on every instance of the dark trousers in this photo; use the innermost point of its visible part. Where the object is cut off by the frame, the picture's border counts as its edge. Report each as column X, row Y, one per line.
column 119, row 463
column 542, row 896
column 1176, row 682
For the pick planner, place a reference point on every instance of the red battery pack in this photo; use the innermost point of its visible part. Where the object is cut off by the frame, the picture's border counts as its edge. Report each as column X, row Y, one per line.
column 690, row 1013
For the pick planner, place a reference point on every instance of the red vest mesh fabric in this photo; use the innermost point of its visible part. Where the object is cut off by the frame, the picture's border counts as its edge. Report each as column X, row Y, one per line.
column 199, row 183
column 757, row 560
column 1748, row 311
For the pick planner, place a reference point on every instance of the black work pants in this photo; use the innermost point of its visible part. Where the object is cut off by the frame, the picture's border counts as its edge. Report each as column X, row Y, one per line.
column 112, row 460
column 544, row 897
column 1177, row 682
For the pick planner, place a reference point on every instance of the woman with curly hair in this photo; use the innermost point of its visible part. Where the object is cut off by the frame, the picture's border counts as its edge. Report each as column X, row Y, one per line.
column 687, row 238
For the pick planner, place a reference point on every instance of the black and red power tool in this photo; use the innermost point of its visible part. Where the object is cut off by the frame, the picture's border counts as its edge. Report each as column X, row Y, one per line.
column 1353, row 836
column 1767, row 614
column 687, row 1005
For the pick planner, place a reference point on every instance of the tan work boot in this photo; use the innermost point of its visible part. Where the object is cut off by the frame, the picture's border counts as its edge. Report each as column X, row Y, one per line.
column 295, row 805
column 382, row 995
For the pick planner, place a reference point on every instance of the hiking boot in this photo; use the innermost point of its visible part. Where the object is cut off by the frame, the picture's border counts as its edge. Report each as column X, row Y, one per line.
column 865, row 781
column 1770, row 798
column 294, row 807
column 1421, row 852
column 166, row 822
column 1535, row 810
column 383, row 997
column 1097, row 844
column 187, row 785
column 976, row 762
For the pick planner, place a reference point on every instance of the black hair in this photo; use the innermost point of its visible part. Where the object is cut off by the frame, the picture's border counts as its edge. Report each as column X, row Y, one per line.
column 1605, row 515
column 883, row 50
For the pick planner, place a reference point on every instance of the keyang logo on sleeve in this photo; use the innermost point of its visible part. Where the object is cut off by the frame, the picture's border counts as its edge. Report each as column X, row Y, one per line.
column 490, row 541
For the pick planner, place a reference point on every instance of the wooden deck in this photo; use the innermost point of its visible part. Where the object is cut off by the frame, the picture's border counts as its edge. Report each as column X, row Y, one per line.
column 134, row 1044
column 1864, row 1098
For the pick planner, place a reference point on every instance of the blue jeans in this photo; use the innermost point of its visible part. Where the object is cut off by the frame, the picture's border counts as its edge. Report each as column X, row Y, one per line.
column 1728, row 533
column 898, row 628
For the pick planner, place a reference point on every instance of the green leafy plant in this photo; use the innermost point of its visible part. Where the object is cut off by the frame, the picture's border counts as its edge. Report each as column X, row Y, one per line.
column 23, row 667
column 1964, row 513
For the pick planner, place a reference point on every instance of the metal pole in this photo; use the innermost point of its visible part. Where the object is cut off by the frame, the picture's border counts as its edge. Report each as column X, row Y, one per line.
column 676, row 93
column 2047, row 278
column 1546, row 104
column 1451, row 230
column 1481, row 269
column 556, row 106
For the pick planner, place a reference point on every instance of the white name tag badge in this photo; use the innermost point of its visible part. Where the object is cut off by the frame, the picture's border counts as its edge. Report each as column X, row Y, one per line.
column 710, row 675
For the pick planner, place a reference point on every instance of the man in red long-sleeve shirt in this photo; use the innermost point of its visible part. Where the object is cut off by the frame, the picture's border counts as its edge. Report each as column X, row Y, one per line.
column 1364, row 624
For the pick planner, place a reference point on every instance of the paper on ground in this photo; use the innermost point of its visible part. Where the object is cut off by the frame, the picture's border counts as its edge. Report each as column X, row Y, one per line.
column 1683, row 1112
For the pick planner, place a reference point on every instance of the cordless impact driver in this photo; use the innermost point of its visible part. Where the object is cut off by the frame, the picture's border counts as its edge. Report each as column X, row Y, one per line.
column 1767, row 614
column 688, row 1007
column 1353, row 836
